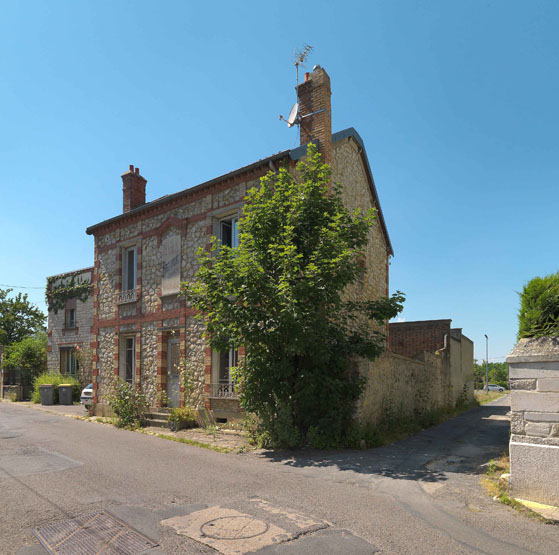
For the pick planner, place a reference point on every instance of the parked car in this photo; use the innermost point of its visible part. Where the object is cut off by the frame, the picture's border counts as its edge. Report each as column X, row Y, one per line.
column 86, row 397
column 494, row 387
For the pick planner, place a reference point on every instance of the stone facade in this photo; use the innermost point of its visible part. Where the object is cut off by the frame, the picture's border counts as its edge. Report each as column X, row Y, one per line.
column 193, row 218
column 534, row 441
column 142, row 255
column 65, row 335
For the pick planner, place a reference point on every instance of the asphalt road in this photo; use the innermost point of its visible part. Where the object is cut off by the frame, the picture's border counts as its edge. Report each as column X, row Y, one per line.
column 416, row 496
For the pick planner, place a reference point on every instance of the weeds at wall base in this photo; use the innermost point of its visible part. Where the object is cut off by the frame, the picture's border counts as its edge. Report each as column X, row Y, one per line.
column 498, row 488
column 399, row 426
column 190, row 442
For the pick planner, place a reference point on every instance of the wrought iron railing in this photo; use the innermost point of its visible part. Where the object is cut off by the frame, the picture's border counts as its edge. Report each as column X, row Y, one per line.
column 223, row 390
column 126, row 297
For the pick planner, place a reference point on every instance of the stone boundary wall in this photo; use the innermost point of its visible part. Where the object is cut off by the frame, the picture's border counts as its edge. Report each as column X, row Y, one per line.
column 398, row 385
column 534, row 442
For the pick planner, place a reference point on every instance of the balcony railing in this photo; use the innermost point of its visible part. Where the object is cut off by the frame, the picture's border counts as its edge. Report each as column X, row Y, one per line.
column 223, row 391
column 126, row 297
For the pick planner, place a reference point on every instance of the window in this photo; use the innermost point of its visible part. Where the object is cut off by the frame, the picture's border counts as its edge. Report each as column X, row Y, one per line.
column 226, row 361
column 127, row 356
column 129, row 269
column 70, row 318
column 70, row 313
column 228, row 232
column 68, row 362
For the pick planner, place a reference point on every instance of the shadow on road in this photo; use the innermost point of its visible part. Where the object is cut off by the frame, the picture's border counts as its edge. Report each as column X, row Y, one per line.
column 461, row 444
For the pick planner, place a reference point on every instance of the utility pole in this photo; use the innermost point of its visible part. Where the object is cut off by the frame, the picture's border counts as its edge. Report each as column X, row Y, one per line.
column 486, row 364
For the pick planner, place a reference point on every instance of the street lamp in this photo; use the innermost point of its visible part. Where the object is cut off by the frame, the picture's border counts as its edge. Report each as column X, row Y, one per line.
column 486, row 364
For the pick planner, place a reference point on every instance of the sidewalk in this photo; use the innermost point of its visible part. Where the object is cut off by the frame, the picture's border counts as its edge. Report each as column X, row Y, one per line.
column 64, row 410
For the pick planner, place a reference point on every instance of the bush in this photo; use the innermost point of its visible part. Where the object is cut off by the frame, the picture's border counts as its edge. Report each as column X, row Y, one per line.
column 539, row 307
column 55, row 379
column 180, row 418
column 128, row 404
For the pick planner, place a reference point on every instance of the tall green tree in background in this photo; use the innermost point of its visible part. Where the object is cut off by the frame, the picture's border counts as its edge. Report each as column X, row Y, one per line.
column 18, row 317
column 27, row 357
column 498, row 374
column 280, row 295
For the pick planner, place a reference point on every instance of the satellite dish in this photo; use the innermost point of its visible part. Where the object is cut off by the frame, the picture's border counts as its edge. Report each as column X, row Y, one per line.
column 292, row 119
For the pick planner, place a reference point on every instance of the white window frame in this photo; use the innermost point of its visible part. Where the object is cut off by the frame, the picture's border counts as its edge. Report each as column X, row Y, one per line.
column 125, row 268
column 229, row 213
column 233, row 220
column 127, row 345
column 233, row 360
column 71, row 361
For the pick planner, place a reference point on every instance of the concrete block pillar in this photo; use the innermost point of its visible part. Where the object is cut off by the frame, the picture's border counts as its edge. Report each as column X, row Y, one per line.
column 534, row 442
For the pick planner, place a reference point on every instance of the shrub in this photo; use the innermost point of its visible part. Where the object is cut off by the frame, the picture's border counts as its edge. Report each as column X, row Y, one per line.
column 55, row 379
column 128, row 404
column 539, row 307
column 180, row 418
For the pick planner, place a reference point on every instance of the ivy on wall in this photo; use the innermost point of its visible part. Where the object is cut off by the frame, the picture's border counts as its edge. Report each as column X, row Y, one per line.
column 75, row 288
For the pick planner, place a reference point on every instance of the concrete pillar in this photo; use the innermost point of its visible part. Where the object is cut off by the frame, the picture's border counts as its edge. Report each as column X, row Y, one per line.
column 534, row 442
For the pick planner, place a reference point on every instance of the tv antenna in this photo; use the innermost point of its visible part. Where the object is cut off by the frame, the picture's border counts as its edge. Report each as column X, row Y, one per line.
column 299, row 58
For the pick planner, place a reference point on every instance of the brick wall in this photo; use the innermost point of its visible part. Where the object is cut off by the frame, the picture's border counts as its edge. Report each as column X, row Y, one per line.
column 314, row 95
column 412, row 338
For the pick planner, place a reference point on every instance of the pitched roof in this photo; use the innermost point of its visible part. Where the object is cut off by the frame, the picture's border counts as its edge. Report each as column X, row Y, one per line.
column 294, row 154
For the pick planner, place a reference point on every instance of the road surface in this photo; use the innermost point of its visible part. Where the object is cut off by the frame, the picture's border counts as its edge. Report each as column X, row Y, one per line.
column 420, row 495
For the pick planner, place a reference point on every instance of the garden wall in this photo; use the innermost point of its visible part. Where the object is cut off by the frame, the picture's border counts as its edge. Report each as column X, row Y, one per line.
column 403, row 386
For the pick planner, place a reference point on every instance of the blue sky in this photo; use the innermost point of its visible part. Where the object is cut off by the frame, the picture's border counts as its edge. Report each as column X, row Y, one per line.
column 456, row 102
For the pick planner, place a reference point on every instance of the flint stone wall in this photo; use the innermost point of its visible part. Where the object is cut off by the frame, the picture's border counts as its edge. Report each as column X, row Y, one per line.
column 150, row 300
column 534, row 442
column 60, row 336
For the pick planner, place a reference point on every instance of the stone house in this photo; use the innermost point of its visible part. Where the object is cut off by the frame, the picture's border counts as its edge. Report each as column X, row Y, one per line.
column 143, row 330
column 70, row 321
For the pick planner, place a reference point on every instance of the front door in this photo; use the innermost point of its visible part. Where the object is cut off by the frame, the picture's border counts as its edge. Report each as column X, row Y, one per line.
column 173, row 376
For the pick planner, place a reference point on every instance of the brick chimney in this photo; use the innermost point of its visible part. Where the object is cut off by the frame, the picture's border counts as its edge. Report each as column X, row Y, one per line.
column 133, row 189
column 314, row 95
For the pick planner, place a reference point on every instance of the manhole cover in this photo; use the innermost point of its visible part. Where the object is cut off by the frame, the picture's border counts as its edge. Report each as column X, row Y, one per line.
column 90, row 534
column 233, row 528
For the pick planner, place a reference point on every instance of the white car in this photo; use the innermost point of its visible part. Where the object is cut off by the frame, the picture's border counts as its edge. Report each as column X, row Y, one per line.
column 86, row 397
column 494, row 387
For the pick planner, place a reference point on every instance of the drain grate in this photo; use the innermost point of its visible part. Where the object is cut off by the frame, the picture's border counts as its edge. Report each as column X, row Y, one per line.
column 92, row 534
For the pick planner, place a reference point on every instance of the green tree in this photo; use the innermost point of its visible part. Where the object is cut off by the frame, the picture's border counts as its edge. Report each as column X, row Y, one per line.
column 27, row 357
column 18, row 317
column 498, row 374
column 539, row 307
column 280, row 294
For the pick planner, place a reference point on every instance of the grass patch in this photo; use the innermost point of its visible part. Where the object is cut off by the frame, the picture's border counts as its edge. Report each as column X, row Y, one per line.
column 483, row 398
column 190, row 442
column 499, row 489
